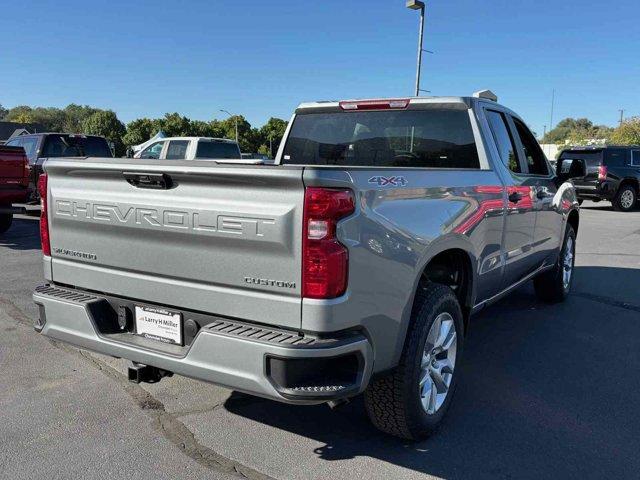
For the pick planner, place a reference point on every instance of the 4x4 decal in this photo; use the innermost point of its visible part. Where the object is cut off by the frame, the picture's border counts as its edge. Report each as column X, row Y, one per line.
column 397, row 181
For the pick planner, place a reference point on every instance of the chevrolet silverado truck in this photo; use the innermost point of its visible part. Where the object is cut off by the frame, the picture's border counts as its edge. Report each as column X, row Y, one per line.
column 14, row 183
column 352, row 265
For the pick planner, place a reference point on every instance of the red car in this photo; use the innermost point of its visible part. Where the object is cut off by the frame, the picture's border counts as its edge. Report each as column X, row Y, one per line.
column 14, row 183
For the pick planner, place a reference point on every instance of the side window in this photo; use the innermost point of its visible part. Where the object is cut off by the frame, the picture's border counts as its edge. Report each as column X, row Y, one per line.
column 152, row 151
column 536, row 161
column 635, row 158
column 30, row 144
column 177, row 149
column 615, row 158
column 504, row 142
column 16, row 142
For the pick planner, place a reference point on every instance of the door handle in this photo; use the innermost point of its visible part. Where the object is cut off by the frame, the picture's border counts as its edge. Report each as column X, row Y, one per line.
column 158, row 181
column 515, row 197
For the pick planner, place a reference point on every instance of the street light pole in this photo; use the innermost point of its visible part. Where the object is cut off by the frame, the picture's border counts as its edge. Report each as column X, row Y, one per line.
column 235, row 117
column 418, row 5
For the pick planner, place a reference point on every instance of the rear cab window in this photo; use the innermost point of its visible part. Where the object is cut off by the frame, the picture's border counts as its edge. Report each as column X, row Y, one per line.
column 592, row 158
column 75, row 146
column 431, row 138
column 218, row 149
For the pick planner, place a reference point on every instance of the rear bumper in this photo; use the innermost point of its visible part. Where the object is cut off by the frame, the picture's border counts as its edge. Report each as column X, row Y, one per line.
column 274, row 364
column 13, row 210
column 598, row 191
column 13, row 195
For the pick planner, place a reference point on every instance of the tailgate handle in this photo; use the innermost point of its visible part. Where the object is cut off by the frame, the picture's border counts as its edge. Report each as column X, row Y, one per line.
column 158, row 181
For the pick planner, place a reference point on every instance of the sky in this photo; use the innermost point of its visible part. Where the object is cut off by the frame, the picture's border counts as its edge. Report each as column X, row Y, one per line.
column 263, row 58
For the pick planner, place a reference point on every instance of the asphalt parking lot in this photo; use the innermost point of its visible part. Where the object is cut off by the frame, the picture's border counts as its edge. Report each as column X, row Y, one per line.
column 545, row 392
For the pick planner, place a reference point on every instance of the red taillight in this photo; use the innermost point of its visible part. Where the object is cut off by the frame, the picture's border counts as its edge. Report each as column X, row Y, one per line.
column 325, row 260
column 44, row 220
column 396, row 103
column 602, row 173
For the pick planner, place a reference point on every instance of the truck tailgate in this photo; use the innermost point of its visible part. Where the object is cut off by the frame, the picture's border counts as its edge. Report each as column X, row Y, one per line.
column 12, row 165
column 220, row 239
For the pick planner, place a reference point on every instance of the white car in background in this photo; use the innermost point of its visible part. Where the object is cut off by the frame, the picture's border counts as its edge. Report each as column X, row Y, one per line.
column 191, row 148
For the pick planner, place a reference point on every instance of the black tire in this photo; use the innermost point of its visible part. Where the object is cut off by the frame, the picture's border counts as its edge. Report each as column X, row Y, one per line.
column 550, row 286
column 621, row 202
column 6, row 219
column 393, row 401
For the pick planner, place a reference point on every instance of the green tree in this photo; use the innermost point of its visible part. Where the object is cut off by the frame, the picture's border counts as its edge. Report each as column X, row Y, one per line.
column 139, row 131
column 75, row 117
column 106, row 124
column 271, row 134
column 247, row 137
column 3, row 112
column 578, row 131
column 174, row 125
column 628, row 133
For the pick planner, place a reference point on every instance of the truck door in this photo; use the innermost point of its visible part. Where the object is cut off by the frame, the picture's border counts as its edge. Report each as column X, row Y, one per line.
column 519, row 224
column 548, row 208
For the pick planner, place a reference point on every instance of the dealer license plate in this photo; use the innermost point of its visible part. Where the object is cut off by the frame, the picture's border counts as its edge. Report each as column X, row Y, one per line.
column 159, row 324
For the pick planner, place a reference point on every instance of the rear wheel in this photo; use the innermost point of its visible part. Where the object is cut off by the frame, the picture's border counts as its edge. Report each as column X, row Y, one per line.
column 554, row 285
column 411, row 401
column 626, row 199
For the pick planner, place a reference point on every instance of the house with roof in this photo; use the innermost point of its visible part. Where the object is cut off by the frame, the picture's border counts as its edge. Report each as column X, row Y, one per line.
column 10, row 130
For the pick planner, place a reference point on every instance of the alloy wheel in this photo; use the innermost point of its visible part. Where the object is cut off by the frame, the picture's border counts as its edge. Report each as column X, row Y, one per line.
column 627, row 199
column 438, row 362
column 567, row 263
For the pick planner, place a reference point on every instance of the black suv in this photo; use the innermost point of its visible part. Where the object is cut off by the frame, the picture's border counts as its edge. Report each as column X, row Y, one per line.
column 613, row 173
column 40, row 146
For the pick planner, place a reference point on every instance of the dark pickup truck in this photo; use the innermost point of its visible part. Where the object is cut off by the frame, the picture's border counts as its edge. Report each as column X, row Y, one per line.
column 14, row 183
column 41, row 146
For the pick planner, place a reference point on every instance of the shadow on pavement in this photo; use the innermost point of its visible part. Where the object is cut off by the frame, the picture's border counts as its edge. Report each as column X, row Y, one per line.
column 24, row 234
column 546, row 391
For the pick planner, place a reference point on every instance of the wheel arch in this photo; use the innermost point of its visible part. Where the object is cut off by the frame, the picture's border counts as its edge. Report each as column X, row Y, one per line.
column 456, row 248
column 634, row 182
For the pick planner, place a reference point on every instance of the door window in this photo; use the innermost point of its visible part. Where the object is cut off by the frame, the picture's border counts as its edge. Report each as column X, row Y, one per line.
column 615, row 158
column 533, row 155
column 152, row 151
column 635, row 158
column 504, row 142
column 177, row 150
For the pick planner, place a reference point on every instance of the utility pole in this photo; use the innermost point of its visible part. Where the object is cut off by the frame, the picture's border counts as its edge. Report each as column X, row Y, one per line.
column 545, row 132
column 621, row 116
column 553, row 101
column 418, row 5
column 235, row 117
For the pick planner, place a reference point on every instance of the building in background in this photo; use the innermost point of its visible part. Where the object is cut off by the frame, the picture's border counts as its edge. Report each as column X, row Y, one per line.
column 10, row 130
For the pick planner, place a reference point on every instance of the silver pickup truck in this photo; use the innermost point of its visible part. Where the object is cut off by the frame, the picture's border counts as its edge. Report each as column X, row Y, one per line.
column 351, row 265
